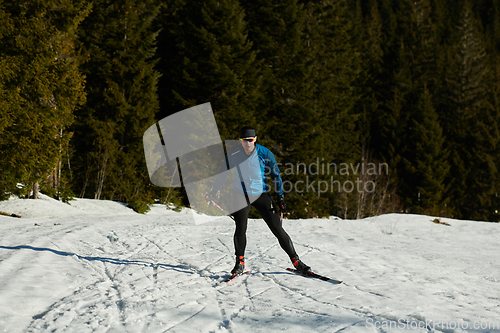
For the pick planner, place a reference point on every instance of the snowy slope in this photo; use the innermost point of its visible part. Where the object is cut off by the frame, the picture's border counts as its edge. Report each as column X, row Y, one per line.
column 97, row 266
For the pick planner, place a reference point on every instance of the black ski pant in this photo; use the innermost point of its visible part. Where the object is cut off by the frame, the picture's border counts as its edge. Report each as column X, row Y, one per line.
column 265, row 206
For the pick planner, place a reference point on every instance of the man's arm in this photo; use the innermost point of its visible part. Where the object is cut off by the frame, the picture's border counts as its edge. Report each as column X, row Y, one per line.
column 275, row 173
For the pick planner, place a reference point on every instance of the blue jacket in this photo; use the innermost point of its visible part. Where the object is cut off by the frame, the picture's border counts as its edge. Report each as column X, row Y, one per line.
column 253, row 170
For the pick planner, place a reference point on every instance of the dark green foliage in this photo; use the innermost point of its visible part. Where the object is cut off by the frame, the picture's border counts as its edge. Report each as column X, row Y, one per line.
column 139, row 204
column 411, row 83
column 433, row 76
column 275, row 29
column 423, row 162
column 467, row 120
column 307, row 110
column 40, row 87
column 119, row 45
column 427, row 165
column 9, row 102
column 208, row 59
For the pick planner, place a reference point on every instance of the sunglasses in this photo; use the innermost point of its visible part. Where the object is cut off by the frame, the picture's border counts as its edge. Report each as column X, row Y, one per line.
column 249, row 139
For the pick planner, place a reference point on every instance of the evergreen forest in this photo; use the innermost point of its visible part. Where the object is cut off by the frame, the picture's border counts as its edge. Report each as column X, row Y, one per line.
column 370, row 106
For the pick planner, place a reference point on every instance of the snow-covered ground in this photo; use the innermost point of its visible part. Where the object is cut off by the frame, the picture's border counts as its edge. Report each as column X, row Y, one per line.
column 97, row 266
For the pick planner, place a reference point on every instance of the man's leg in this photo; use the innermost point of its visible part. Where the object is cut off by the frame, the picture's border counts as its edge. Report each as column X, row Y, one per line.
column 266, row 209
column 240, row 239
column 240, row 236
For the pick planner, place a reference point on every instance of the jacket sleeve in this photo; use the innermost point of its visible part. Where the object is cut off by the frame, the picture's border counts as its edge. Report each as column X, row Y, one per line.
column 275, row 173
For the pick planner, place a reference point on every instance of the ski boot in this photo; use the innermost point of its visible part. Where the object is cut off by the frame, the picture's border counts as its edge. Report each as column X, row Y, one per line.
column 300, row 266
column 239, row 267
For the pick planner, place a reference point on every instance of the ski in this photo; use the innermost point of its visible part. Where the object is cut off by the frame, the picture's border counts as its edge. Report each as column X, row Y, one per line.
column 231, row 278
column 315, row 276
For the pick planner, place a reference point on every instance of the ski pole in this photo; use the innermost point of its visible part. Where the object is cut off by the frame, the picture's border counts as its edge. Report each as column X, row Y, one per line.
column 222, row 209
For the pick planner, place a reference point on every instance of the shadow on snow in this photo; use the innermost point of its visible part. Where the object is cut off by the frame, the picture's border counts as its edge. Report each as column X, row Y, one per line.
column 179, row 268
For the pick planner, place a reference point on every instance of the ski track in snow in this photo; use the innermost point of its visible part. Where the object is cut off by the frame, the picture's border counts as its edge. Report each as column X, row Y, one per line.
column 118, row 271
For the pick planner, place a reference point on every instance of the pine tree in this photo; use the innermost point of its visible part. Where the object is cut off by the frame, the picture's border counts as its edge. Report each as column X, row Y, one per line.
column 209, row 60
column 306, row 113
column 482, row 181
column 429, row 66
column 370, row 45
column 205, row 56
column 467, row 113
column 336, row 67
column 275, row 29
column 421, row 48
column 372, row 109
column 387, row 132
column 118, row 41
column 42, row 87
column 495, row 93
column 408, row 70
column 495, row 146
column 9, row 101
column 428, row 166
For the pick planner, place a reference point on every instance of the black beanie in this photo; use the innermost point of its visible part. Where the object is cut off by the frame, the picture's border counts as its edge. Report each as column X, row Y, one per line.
column 247, row 132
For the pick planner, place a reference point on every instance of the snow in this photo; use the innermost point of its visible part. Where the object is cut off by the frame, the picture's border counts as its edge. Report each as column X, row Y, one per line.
column 97, row 266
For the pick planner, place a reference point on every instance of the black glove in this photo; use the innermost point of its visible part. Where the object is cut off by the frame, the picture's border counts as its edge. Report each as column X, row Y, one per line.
column 282, row 203
column 211, row 196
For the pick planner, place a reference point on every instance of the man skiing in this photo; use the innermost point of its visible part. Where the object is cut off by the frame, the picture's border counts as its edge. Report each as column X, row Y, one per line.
column 260, row 161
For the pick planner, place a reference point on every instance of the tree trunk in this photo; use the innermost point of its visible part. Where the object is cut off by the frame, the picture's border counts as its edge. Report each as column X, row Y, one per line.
column 35, row 191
